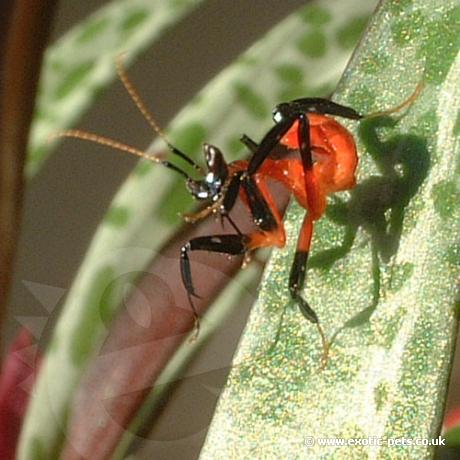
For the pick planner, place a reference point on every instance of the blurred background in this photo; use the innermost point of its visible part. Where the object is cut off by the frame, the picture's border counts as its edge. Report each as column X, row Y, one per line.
column 67, row 199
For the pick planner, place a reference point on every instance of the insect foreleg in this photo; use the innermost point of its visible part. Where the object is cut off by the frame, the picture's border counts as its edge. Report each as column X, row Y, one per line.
column 268, row 143
column 225, row 244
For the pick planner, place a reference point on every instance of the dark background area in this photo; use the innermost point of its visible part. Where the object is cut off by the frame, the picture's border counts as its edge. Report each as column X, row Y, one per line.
column 66, row 200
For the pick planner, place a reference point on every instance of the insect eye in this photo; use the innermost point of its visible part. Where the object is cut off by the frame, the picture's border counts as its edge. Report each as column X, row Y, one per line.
column 198, row 189
column 277, row 117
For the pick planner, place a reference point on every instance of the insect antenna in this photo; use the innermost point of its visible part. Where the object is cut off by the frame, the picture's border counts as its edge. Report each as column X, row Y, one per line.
column 96, row 138
column 146, row 113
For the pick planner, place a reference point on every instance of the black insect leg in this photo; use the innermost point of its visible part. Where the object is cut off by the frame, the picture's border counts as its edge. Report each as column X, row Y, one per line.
column 229, row 244
column 285, row 115
column 231, row 194
column 296, row 284
column 327, row 107
column 262, row 215
column 299, row 267
column 303, row 139
column 260, row 209
column 315, row 105
column 297, row 280
column 249, row 143
column 268, row 143
column 229, row 200
column 226, row 244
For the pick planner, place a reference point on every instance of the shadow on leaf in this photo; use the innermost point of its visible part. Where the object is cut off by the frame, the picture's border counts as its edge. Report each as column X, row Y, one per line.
column 378, row 203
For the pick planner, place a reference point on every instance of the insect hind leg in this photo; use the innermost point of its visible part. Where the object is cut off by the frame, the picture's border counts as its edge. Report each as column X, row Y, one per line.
column 297, row 281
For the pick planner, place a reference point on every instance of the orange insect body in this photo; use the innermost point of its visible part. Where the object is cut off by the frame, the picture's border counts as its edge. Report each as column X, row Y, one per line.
column 335, row 162
column 335, row 151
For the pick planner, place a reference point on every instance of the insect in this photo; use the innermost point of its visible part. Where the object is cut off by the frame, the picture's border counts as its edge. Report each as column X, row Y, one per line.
column 326, row 164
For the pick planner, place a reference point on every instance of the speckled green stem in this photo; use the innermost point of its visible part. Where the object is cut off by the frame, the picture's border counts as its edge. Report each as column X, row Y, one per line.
column 383, row 274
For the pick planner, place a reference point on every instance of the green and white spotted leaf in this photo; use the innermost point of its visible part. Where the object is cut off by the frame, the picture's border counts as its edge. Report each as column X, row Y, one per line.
column 280, row 66
column 81, row 63
column 383, row 276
